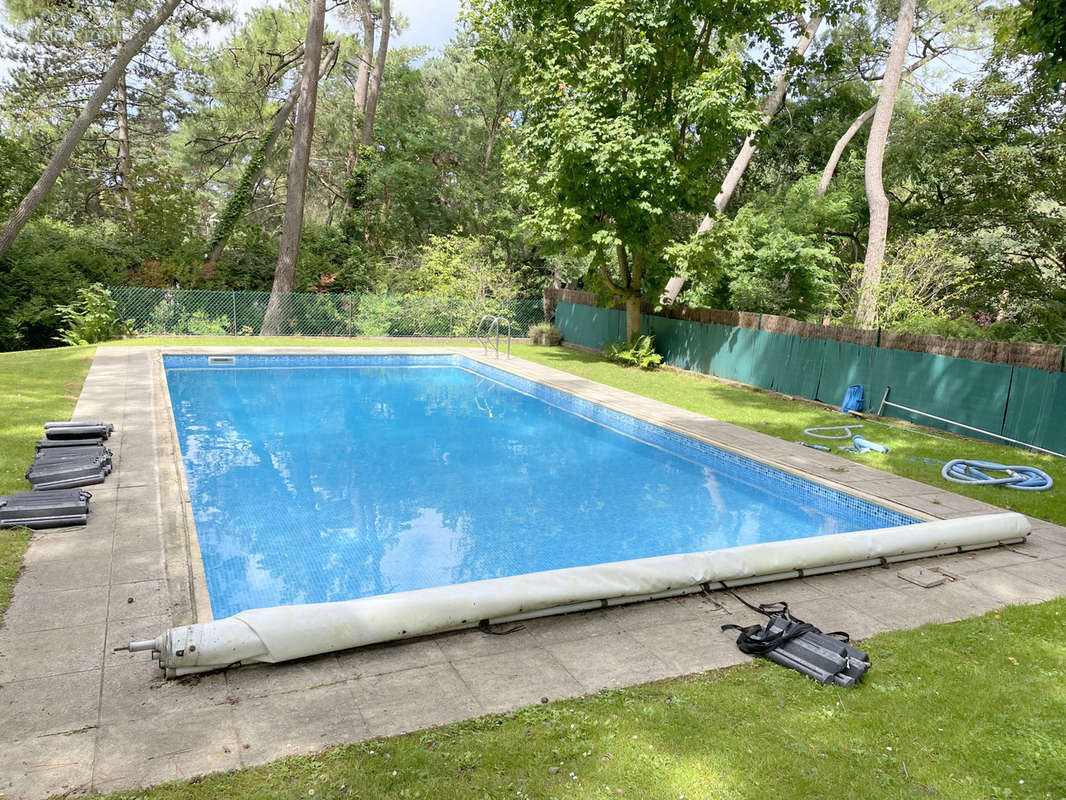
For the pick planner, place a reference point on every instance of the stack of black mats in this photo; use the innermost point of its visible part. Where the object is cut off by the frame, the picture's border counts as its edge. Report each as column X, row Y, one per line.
column 71, row 455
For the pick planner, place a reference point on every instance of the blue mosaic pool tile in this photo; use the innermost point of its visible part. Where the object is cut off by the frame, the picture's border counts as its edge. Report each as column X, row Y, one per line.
column 808, row 493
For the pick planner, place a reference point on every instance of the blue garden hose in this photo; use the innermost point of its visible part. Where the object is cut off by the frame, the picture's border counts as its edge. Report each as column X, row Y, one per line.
column 961, row 470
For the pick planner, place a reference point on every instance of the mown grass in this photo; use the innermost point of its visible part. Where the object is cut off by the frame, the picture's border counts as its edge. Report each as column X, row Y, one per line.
column 914, row 452
column 967, row 711
column 35, row 386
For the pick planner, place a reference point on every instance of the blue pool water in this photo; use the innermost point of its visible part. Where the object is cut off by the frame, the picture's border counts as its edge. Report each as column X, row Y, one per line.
column 337, row 477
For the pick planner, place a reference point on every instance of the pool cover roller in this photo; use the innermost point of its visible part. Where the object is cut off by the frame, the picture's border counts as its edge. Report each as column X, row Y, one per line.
column 282, row 633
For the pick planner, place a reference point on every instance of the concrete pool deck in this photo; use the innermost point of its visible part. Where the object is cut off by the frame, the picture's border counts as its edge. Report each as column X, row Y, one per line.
column 77, row 716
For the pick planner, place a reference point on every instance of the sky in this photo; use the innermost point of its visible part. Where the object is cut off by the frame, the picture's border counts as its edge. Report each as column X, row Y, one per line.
column 430, row 22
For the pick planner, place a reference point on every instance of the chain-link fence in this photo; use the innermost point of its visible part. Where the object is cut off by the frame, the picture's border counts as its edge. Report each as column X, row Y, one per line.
column 202, row 312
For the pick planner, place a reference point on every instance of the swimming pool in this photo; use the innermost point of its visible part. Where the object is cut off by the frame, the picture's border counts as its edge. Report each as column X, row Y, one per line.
column 316, row 479
column 342, row 500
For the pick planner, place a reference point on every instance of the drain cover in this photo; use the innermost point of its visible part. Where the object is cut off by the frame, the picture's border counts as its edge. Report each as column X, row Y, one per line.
column 920, row 576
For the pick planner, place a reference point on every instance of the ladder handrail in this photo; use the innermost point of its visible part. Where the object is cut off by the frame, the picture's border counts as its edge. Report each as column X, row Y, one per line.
column 494, row 326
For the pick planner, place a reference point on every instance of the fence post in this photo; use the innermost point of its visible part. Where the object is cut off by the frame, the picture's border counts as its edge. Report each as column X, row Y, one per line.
column 351, row 314
column 235, row 328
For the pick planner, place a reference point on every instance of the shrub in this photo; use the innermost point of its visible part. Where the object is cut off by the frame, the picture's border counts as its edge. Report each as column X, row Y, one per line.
column 545, row 333
column 92, row 317
column 639, row 351
column 169, row 318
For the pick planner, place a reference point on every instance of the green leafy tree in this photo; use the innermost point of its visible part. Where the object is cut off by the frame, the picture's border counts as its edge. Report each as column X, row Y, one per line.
column 774, row 256
column 628, row 106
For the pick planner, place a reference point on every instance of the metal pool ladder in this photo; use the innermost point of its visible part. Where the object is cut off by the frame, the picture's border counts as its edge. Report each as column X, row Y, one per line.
column 494, row 323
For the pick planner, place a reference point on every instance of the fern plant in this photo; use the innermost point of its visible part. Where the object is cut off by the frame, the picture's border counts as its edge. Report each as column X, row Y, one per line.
column 639, row 351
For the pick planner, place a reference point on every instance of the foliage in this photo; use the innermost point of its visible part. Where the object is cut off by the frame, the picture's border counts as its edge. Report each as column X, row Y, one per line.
column 623, row 108
column 1044, row 33
column 462, row 268
column 92, row 318
column 18, row 171
column 44, row 268
column 331, row 262
column 774, row 256
column 568, row 143
column 169, row 317
column 637, row 351
column 544, row 333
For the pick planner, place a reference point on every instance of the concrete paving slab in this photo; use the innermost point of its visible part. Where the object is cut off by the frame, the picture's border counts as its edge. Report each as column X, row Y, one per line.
column 139, row 599
column 500, row 681
column 52, row 652
column 618, row 660
column 280, row 725
column 582, row 626
column 398, row 702
column 686, row 651
column 65, row 545
column 130, row 566
column 271, row 679
column 138, row 690
column 393, row 657
column 185, row 743
column 41, row 611
column 68, row 573
column 55, row 705
column 46, row 766
column 473, row 643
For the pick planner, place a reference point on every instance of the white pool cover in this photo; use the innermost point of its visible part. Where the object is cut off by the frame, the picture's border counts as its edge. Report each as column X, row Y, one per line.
column 283, row 633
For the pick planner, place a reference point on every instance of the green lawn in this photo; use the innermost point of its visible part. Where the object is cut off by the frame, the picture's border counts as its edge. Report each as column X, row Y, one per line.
column 966, row 711
column 35, row 386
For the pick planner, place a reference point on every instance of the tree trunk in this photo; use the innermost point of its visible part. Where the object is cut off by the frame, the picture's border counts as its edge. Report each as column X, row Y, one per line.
column 122, row 167
column 359, row 96
column 838, row 149
column 292, row 227
column 122, row 162
column 374, row 90
column 876, row 199
column 245, row 192
column 362, row 80
column 628, row 286
column 856, row 126
column 770, row 108
column 62, row 154
column 632, row 317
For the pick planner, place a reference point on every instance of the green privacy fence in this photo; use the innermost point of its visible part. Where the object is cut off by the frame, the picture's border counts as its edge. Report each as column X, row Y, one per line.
column 230, row 313
column 1017, row 400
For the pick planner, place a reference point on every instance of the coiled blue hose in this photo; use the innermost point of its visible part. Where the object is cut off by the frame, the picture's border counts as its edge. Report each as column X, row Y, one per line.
column 961, row 470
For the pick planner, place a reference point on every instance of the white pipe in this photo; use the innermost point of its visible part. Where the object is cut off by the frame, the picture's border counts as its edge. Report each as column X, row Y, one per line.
column 282, row 633
column 885, row 402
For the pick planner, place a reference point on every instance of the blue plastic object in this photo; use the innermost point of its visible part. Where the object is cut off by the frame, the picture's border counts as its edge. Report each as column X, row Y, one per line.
column 853, row 399
column 862, row 445
column 961, row 470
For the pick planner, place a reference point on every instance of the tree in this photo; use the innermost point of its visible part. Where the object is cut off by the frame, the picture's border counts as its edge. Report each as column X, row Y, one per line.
column 866, row 313
column 63, row 152
column 245, row 192
column 289, row 250
column 627, row 105
column 857, row 125
column 1044, row 33
column 771, row 106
